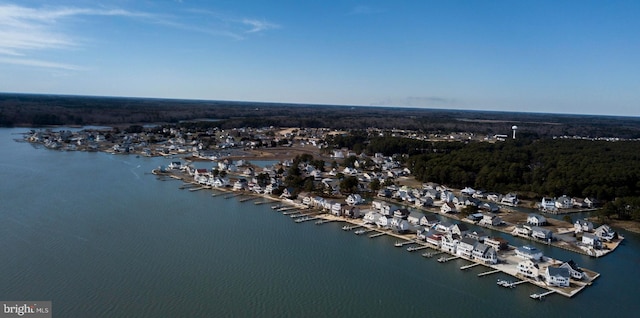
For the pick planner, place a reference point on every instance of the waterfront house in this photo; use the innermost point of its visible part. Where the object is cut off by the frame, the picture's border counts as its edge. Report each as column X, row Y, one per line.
column 575, row 271
column 485, row 254
column 351, row 212
column 521, row 230
column 401, row 213
column 475, row 217
column 423, row 232
column 529, row 269
column 447, row 196
column 477, row 235
column 529, row 252
column 444, row 227
column 541, row 234
column 605, row 233
column 336, row 209
column 399, row 225
column 557, row 276
column 536, row 220
column 465, row 247
column 371, row 217
column 449, row 244
column 414, row 217
column 578, row 203
column 489, row 207
column 583, row 226
column 448, row 207
column 423, row 202
column 468, row 191
column 494, row 197
column 434, row 239
column 497, row 243
column 383, row 221
column 287, row 193
column 460, row 229
column 548, row 204
column 428, row 220
column 490, row 219
column 591, row 240
column 510, row 199
column 563, row 202
column 354, row 199
column 384, row 193
column 590, row 202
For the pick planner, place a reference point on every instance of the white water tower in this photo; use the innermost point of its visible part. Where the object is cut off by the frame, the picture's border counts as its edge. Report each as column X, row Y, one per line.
column 514, row 128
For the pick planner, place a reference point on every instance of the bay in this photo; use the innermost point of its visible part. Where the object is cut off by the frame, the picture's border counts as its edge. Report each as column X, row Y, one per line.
column 99, row 236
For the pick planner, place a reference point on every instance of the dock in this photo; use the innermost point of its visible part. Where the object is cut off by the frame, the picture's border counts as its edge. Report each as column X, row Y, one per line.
column 362, row 231
column 432, row 254
column 233, row 195
column 247, row 199
column 541, row 296
column 290, row 212
column 323, row 221
column 469, row 266
column 196, row 189
column 446, row 259
column 377, row 234
column 400, row 244
column 489, row 272
column 416, row 248
column 350, row 227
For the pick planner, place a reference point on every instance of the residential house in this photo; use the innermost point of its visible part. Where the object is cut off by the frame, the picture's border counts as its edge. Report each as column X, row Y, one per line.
column 522, row 230
column 605, row 233
column 475, row 217
column 242, row 184
column 384, row 221
column 465, row 247
column 529, row 252
column 423, row 202
column 489, row 207
column 414, row 217
column 336, row 209
column 371, row 217
column 541, row 233
column 434, row 239
column 401, row 213
column 490, row 219
column 497, row 243
column 485, row 254
column 536, row 220
column 460, row 229
column 575, row 271
column 563, row 202
column 494, row 197
column 510, row 199
column 444, row 227
column 477, row 235
column 428, row 220
column 591, row 202
column 548, row 204
column 449, row 244
column 529, row 269
column 448, row 207
column 286, row 193
column 557, row 276
column 399, row 225
column 591, row 240
column 351, row 212
column 354, row 199
column 583, row 226
column 579, row 203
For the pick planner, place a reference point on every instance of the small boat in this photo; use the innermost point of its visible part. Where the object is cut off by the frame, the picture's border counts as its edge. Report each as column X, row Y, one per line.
column 361, row 231
column 398, row 244
column 442, row 259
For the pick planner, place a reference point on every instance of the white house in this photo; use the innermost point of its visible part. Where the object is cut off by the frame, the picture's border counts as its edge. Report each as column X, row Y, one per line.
column 575, row 271
column 490, row 219
column 465, row 247
column 529, row 252
column 536, row 220
column 583, row 226
column 383, row 221
column 541, row 234
column 591, row 240
column 510, row 199
column 371, row 217
column 548, row 204
column 605, row 233
column 485, row 254
column 399, row 225
column 448, row 207
column 497, row 243
column 528, row 268
column 557, row 276
column 354, row 199
column 428, row 220
column 564, row 202
column 449, row 244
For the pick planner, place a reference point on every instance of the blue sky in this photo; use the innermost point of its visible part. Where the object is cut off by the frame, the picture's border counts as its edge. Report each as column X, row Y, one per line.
column 580, row 57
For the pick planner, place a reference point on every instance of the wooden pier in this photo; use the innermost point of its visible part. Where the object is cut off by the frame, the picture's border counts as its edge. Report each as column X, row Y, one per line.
column 377, row 234
column 469, row 266
column 416, row 248
column 400, row 244
column 446, row 259
column 541, row 296
column 247, row 199
column 489, row 272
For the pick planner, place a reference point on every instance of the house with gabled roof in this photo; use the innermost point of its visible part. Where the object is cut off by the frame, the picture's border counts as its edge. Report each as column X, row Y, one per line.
column 414, row 217
column 428, row 220
column 448, row 207
column 465, row 247
column 541, row 233
column 529, row 252
column 583, row 225
column 548, row 204
column 497, row 243
column 564, row 202
column 485, row 254
column 536, row 220
column 399, row 225
column 591, row 240
column 605, row 233
column 354, row 199
column 460, row 229
column 528, row 268
column 575, row 271
column 557, row 276
column 490, row 219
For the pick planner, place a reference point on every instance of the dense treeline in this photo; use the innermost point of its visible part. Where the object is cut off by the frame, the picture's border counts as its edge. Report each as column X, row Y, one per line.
column 41, row 110
column 604, row 170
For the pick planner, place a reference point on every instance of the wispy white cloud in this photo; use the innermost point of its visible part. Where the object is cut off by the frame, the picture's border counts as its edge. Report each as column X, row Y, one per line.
column 258, row 25
column 415, row 101
column 24, row 30
column 40, row 63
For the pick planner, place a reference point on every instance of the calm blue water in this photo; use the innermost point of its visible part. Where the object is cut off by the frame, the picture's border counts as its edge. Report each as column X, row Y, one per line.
column 101, row 237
